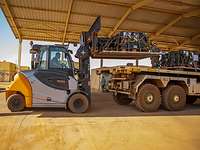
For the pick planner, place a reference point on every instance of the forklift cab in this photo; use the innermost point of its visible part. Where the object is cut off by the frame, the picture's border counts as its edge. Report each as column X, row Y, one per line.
column 53, row 65
column 52, row 57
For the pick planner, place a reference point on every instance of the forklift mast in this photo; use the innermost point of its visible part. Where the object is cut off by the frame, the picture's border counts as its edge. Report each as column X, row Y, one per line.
column 84, row 53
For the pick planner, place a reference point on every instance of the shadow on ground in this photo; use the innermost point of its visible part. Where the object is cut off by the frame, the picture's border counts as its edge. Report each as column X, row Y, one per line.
column 104, row 106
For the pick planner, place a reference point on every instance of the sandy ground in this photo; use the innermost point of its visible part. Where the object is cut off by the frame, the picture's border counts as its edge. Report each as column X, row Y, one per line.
column 106, row 126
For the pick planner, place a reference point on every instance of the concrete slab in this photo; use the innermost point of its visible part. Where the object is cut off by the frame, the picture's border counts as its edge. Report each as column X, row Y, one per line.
column 106, row 126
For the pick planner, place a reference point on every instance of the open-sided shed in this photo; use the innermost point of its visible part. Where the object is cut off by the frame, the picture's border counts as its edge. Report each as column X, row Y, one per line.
column 171, row 24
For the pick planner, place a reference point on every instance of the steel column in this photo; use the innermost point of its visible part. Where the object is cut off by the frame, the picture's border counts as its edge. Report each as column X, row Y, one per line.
column 19, row 54
column 137, row 62
column 101, row 63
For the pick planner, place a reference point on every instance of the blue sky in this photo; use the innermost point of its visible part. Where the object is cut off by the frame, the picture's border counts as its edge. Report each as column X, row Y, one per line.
column 9, row 48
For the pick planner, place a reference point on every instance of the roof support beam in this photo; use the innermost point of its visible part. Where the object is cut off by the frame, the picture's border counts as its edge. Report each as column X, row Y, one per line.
column 133, row 7
column 189, row 40
column 164, row 28
column 19, row 54
column 12, row 19
column 67, row 20
column 174, row 21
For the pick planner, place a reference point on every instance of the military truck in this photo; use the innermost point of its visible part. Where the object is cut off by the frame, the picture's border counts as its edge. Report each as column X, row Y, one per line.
column 152, row 87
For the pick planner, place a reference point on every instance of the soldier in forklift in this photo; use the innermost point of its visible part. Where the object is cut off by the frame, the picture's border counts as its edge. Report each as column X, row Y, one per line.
column 55, row 62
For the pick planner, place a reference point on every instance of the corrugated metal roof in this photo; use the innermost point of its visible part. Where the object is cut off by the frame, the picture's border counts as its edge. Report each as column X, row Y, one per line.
column 170, row 23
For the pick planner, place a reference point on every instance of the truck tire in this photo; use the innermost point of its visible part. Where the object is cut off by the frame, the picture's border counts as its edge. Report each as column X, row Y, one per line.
column 191, row 99
column 78, row 103
column 122, row 99
column 174, row 98
column 16, row 102
column 148, row 98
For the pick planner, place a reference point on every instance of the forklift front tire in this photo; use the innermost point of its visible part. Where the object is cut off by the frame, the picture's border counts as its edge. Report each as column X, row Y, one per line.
column 15, row 102
column 78, row 103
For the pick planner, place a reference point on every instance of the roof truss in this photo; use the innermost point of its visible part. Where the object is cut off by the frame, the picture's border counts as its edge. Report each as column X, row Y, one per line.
column 129, row 10
column 12, row 19
column 37, row 21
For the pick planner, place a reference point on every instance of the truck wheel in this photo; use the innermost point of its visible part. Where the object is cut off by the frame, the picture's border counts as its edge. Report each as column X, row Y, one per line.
column 148, row 98
column 78, row 103
column 174, row 98
column 191, row 99
column 122, row 99
column 16, row 102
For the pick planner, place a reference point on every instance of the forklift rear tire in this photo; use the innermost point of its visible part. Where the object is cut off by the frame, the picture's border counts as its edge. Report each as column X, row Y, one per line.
column 122, row 99
column 174, row 98
column 148, row 98
column 78, row 103
column 16, row 102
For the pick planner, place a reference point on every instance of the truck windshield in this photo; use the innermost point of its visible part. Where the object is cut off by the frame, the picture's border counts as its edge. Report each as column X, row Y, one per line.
column 59, row 59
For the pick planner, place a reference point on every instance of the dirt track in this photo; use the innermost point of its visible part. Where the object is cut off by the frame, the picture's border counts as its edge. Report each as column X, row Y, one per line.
column 106, row 126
